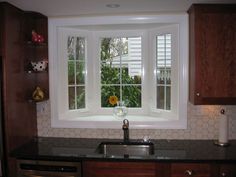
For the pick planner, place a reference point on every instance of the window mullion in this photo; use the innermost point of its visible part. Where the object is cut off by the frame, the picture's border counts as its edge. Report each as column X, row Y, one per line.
column 165, row 101
column 120, row 53
column 75, row 84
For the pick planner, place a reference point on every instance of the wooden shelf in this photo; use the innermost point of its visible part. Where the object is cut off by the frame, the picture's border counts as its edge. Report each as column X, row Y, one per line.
column 37, row 72
column 34, row 101
column 34, row 44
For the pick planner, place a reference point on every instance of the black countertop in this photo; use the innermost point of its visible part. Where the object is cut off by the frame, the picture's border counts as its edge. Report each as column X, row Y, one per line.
column 76, row 149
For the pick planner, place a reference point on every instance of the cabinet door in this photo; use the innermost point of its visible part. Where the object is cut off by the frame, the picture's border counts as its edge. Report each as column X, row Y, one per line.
column 212, row 54
column 228, row 170
column 190, row 169
column 118, row 169
column 1, row 30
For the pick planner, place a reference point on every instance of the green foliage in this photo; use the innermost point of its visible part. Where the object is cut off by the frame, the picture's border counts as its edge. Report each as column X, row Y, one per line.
column 105, row 49
column 131, row 95
column 80, row 97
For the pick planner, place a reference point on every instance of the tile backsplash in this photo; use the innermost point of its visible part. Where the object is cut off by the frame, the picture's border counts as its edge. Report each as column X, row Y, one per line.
column 202, row 124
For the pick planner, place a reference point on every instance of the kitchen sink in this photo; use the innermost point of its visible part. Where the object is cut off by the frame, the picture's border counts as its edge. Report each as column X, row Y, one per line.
column 126, row 148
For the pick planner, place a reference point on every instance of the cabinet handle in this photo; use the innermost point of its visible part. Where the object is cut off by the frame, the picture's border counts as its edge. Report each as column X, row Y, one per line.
column 223, row 174
column 189, row 172
column 198, row 94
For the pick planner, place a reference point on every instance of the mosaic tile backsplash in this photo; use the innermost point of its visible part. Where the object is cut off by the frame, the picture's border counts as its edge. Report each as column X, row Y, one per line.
column 202, row 124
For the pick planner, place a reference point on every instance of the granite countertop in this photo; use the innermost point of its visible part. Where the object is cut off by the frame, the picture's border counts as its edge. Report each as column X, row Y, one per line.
column 76, row 149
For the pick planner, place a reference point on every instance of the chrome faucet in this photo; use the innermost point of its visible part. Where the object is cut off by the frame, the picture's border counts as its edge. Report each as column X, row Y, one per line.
column 125, row 128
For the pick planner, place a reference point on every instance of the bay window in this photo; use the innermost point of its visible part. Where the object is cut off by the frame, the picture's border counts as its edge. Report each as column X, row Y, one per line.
column 93, row 66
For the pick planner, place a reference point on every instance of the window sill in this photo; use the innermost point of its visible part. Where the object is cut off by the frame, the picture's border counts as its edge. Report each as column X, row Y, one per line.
column 110, row 122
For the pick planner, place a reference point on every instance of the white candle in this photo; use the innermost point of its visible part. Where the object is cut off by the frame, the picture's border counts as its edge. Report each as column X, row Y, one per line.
column 223, row 128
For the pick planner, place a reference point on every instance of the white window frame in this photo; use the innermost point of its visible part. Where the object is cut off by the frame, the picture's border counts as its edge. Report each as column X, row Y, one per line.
column 97, row 77
column 173, row 30
column 89, row 119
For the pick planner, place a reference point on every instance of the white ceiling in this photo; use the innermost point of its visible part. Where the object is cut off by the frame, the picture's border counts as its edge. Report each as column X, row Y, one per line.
column 98, row 7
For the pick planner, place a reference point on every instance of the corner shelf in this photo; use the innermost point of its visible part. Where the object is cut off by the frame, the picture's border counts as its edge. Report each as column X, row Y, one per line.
column 35, row 52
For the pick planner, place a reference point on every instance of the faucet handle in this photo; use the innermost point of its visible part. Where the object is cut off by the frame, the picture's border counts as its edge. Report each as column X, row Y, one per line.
column 125, row 123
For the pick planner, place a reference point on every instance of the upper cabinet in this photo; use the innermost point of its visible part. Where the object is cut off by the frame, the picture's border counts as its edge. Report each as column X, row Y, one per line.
column 1, row 30
column 212, row 66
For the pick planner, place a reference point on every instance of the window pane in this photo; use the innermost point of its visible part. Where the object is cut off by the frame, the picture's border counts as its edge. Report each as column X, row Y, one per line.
column 131, row 96
column 80, row 71
column 160, row 97
column 107, row 92
column 71, row 72
column 80, row 97
column 163, row 71
column 168, row 76
column 121, row 67
column 80, row 48
column 71, row 97
column 168, row 98
column 132, row 73
column 76, row 71
column 160, row 76
column 110, row 74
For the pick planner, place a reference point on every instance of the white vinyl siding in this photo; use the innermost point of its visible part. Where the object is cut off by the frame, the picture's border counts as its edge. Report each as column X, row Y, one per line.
column 135, row 56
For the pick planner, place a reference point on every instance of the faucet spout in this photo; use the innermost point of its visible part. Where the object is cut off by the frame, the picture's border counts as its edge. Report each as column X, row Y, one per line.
column 125, row 128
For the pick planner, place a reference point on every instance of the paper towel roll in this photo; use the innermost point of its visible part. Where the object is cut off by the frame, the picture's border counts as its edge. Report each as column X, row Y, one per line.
column 223, row 128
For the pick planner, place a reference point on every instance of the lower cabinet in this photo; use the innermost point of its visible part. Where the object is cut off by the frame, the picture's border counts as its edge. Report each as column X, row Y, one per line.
column 123, row 169
column 191, row 169
column 93, row 168
column 227, row 170
column 156, row 169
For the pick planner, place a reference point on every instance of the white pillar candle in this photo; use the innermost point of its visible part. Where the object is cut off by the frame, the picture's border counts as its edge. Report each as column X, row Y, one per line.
column 223, row 128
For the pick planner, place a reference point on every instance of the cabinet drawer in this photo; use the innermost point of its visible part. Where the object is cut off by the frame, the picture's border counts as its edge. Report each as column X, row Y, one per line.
column 189, row 169
column 118, row 169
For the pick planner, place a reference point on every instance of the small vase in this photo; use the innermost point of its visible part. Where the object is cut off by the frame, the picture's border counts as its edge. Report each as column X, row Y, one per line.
column 120, row 111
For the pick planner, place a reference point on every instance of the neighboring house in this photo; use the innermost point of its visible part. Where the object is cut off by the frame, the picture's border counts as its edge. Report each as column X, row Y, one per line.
column 132, row 61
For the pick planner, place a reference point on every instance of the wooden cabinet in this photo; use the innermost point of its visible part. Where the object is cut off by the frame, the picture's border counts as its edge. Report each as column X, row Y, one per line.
column 124, row 169
column 190, row 169
column 1, row 30
column 212, row 66
column 227, row 170
column 156, row 169
column 19, row 120
column 202, row 170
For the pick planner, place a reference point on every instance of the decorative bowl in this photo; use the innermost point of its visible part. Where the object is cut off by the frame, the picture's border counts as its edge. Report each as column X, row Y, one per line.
column 39, row 65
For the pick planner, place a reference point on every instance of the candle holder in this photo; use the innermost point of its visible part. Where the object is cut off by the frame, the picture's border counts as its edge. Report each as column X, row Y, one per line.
column 223, row 130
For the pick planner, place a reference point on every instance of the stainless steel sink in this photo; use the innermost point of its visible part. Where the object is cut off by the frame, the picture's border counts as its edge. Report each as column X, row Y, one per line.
column 126, row 148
